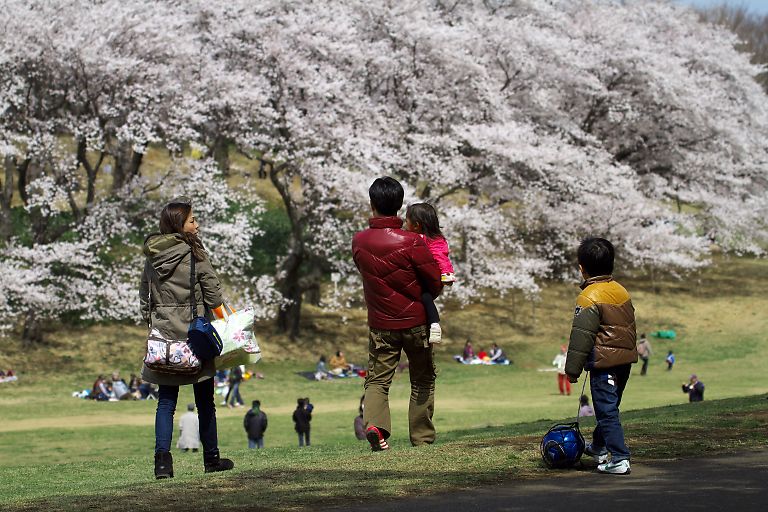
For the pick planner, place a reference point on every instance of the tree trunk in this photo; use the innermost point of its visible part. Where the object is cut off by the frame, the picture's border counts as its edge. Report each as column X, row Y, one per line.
column 6, row 223
column 289, row 316
column 220, row 153
column 127, row 165
column 33, row 330
column 290, row 286
column 91, row 171
column 22, row 170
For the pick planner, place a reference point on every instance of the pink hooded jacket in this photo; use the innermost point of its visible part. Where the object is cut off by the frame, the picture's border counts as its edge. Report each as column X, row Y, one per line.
column 439, row 248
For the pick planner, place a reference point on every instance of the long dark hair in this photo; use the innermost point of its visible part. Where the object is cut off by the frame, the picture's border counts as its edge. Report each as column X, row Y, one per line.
column 172, row 220
column 426, row 216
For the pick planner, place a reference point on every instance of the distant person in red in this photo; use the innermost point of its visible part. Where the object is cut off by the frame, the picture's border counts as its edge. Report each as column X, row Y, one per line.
column 562, row 379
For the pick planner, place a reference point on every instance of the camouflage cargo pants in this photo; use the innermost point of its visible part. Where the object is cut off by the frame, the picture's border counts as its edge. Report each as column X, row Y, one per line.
column 384, row 350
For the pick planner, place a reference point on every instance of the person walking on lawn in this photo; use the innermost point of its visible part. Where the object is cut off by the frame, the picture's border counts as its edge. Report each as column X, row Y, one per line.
column 165, row 305
column 396, row 268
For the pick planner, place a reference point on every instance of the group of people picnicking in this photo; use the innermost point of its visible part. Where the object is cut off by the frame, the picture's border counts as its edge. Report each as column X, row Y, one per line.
column 8, row 376
column 115, row 389
column 495, row 356
column 336, row 367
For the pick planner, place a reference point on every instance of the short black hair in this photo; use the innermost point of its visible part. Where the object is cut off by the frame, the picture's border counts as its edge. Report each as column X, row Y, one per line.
column 386, row 195
column 596, row 256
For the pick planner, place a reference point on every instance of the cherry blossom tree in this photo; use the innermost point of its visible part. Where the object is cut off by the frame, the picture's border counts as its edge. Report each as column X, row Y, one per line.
column 528, row 123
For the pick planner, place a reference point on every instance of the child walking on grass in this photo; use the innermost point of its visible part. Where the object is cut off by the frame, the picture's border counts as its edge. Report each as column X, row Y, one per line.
column 421, row 218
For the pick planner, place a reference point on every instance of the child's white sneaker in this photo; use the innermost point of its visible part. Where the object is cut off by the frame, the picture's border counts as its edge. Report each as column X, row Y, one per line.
column 435, row 333
column 620, row 467
column 448, row 278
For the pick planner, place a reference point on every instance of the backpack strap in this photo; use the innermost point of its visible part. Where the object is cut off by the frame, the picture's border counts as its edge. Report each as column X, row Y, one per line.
column 153, row 280
column 192, row 302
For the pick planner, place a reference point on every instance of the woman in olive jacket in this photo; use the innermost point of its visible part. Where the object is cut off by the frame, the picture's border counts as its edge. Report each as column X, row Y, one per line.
column 165, row 305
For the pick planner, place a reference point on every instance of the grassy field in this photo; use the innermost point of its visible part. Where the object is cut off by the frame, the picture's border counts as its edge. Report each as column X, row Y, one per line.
column 59, row 452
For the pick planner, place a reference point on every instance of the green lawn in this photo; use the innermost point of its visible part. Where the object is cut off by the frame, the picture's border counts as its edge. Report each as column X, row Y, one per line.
column 63, row 453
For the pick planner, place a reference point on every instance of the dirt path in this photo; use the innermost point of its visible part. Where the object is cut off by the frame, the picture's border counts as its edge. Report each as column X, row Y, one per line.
column 733, row 483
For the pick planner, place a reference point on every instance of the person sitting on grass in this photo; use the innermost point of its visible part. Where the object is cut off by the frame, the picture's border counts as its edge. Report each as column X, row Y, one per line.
column 468, row 355
column 120, row 390
column 321, row 370
column 339, row 365
column 497, row 355
column 100, row 389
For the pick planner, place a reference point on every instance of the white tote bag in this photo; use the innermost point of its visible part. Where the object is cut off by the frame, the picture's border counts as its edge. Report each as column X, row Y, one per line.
column 239, row 343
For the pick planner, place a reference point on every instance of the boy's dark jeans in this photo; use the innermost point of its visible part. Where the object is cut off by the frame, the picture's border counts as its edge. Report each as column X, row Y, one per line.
column 607, row 386
column 206, row 413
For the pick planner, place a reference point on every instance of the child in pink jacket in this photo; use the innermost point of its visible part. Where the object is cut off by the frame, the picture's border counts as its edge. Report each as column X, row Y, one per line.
column 421, row 218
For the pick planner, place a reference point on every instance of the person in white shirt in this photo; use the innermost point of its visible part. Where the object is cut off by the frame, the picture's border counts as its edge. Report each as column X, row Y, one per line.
column 189, row 430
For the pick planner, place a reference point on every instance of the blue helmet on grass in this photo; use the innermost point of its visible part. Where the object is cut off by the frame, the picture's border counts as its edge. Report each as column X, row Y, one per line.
column 562, row 446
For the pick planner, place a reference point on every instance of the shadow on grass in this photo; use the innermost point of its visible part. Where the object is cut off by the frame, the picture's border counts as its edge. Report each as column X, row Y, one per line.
column 268, row 490
column 461, row 460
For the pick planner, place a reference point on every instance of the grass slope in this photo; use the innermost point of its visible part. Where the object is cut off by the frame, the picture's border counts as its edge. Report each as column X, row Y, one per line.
column 58, row 452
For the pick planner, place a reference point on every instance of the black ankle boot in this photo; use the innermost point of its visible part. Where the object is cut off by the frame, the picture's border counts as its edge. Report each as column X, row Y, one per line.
column 213, row 463
column 163, row 465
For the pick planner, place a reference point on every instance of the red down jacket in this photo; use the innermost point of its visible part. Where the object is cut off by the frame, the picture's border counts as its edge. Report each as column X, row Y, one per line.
column 396, row 266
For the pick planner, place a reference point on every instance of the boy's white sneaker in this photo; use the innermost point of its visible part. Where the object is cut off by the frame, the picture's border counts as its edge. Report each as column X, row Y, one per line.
column 435, row 333
column 620, row 467
column 600, row 456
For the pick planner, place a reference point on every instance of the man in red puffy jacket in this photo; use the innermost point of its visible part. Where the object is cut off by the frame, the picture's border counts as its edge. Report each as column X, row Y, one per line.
column 396, row 266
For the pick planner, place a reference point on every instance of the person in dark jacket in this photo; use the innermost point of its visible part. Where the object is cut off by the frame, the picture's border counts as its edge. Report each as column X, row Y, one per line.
column 301, row 419
column 397, row 268
column 165, row 297
column 602, row 341
column 694, row 388
column 255, row 424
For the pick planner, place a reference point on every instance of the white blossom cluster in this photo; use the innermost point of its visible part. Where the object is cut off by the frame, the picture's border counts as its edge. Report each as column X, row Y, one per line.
column 530, row 124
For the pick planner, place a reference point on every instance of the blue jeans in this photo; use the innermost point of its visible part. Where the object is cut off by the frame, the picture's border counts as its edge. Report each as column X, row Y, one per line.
column 607, row 386
column 303, row 438
column 256, row 443
column 234, row 392
column 206, row 414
